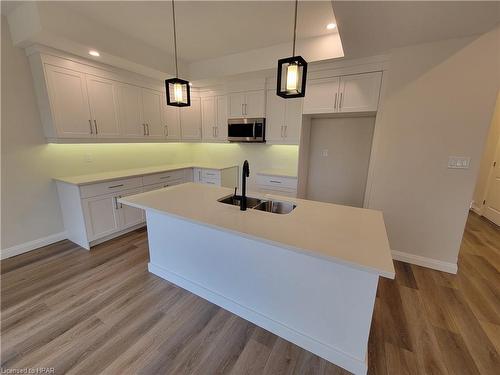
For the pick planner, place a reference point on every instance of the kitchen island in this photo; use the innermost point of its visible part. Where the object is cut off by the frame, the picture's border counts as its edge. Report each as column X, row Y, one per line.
column 309, row 276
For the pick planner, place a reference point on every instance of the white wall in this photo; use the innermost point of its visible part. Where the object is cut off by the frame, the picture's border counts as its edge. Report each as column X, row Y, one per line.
column 486, row 161
column 439, row 100
column 340, row 176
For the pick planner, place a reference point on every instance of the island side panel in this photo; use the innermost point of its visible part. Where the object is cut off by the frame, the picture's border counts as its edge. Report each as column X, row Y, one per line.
column 320, row 305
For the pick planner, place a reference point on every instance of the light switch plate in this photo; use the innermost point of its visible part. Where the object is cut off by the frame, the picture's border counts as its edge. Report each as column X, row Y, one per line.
column 324, row 153
column 458, row 162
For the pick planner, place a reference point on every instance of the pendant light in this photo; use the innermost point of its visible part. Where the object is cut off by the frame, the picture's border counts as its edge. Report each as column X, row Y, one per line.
column 178, row 91
column 292, row 71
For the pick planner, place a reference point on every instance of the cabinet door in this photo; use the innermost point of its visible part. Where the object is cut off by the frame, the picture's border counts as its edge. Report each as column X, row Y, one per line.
column 322, row 96
column 275, row 119
column 130, row 111
column 101, row 216
column 293, row 120
column 151, row 109
column 208, row 119
column 255, row 104
column 236, row 103
column 129, row 216
column 69, row 102
column 360, row 92
column 171, row 121
column 221, row 125
column 103, row 106
column 191, row 120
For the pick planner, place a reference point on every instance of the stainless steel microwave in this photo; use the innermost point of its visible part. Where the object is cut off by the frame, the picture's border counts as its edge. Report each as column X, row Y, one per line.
column 246, row 130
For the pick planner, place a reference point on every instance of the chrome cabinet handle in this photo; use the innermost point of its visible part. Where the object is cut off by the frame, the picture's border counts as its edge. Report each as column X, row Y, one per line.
column 91, row 128
column 144, row 129
column 286, row 127
column 275, row 182
column 121, row 204
column 340, row 101
column 335, row 104
column 147, row 127
column 162, row 177
column 116, row 203
column 166, row 130
column 281, row 134
column 95, row 123
column 115, row 186
column 216, row 131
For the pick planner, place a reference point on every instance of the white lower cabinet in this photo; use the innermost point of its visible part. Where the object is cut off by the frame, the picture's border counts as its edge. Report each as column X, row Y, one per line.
column 104, row 216
column 100, row 215
column 93, row 214
column 279, row 185
column 129, row 216
column 226, row 177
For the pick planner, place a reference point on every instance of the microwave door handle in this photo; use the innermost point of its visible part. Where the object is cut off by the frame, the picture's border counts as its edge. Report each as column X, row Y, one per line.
column 254, row 135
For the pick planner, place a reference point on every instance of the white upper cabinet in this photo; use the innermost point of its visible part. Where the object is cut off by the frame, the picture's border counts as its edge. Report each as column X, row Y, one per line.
column 191, row 120
column 130, row 111
column 351, row 93
column 208, row 118
column 152, row 113
column 171, row 121
column 275, row 117
column 284, row 119
column 359, row 92
column 321, row 96
column 103, row 106
column 214, row 118
column 221, row 106
column 247, row 104
column 236, row 105
column 255, row 104
column 69, row 103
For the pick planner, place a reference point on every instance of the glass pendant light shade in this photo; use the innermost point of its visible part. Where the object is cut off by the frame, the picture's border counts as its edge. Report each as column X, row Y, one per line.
column 178, row 92
column 291, row 77
column 292, row 71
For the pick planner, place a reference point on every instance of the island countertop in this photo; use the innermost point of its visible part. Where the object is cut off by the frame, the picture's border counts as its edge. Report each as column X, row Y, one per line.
column 352, row 236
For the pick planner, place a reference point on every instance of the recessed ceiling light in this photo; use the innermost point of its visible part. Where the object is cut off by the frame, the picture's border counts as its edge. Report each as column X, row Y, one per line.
column 93, row 52
column 331, row 26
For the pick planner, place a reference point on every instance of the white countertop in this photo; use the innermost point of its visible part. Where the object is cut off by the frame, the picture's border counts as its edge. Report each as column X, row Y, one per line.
column 278, row 172
column 347, row 235
column 113, row 175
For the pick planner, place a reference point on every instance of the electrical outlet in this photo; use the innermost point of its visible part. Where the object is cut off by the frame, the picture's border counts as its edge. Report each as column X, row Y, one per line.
column 458, row 162
column 87, row 157
column 324, row 153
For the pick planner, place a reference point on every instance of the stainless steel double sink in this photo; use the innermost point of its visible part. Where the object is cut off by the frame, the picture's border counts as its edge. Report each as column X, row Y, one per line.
column 268, row 205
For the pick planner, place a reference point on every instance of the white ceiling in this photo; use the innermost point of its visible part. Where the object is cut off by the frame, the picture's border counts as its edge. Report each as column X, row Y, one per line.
column 373, row 27
column 209, row 29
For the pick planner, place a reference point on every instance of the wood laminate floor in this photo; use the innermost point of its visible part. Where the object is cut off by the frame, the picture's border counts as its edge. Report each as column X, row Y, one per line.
column 102, row 312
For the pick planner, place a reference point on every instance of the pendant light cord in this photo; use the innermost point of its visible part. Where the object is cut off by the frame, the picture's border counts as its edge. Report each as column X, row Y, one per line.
column 294, row 27
column 175, row 40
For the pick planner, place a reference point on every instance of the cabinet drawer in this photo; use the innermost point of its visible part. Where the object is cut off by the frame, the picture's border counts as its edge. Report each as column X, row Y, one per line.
column 277, row 181
column 210, row 181
column 210, row 174
column 163, row 177
column 285, row 192
column 109, row 187
column 163, row 185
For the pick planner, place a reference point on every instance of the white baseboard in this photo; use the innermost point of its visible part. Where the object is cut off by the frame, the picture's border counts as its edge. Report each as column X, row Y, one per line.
column 478, row 209
column 32, row 245
column 425, row 262
column 321, row 349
